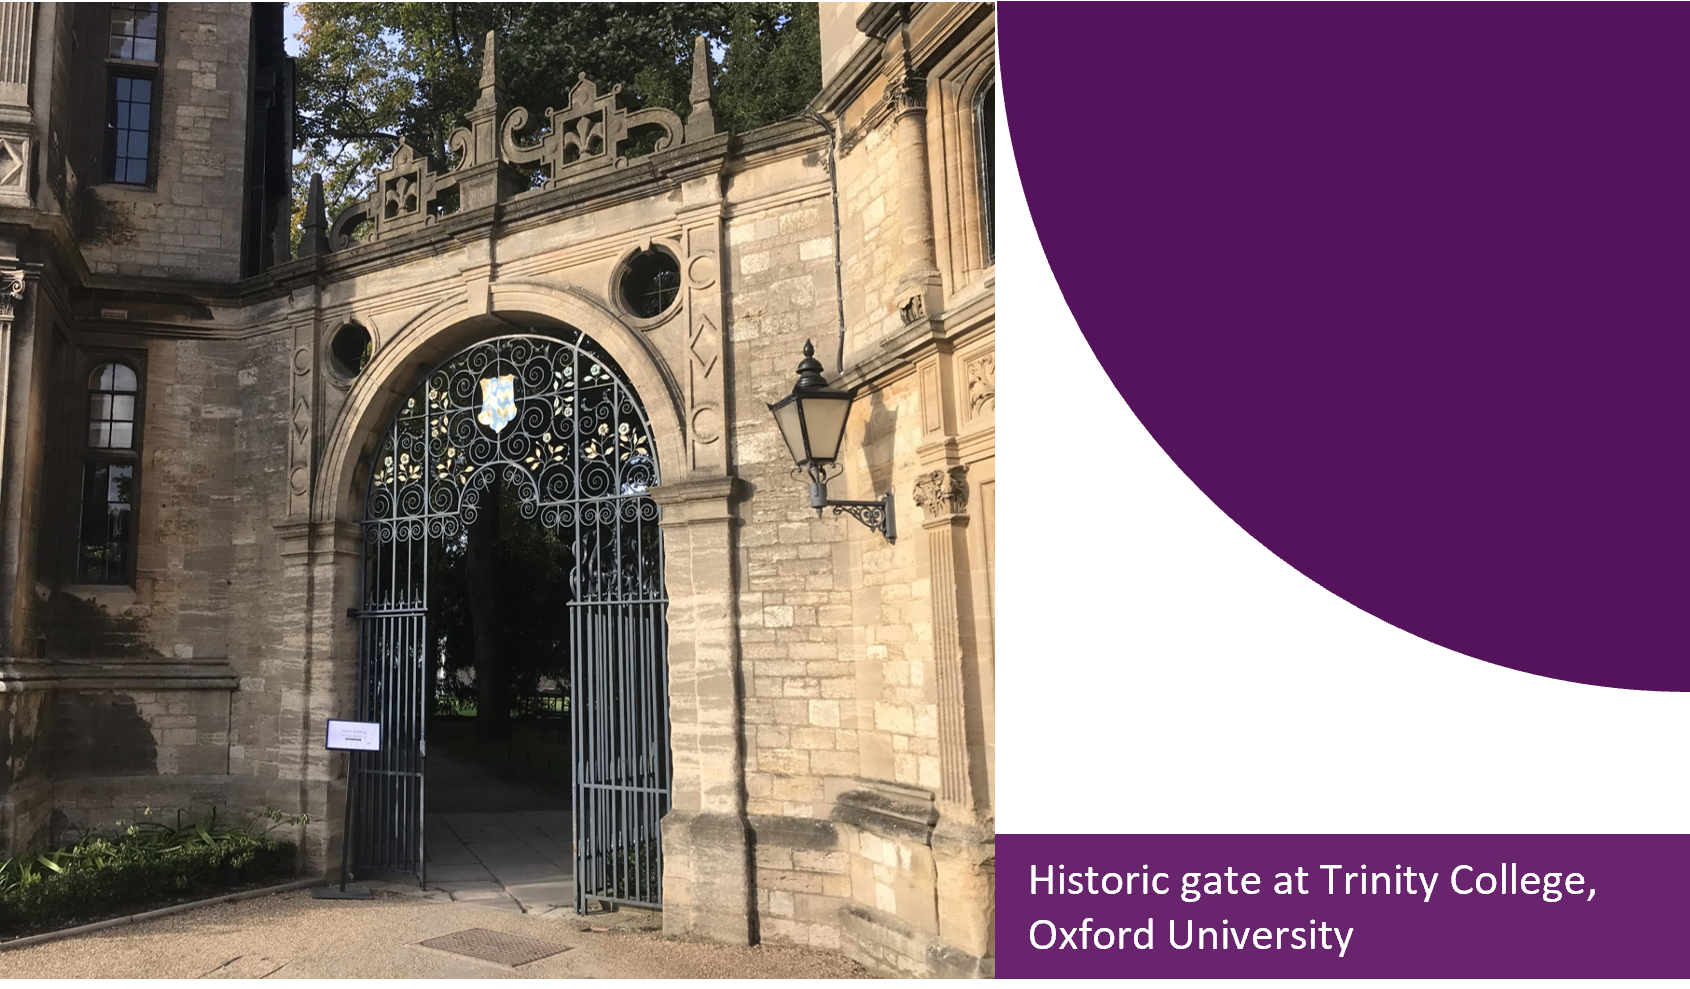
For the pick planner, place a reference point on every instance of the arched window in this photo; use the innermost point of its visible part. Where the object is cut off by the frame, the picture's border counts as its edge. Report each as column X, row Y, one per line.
column 111, row 408
column 105, row 539
column 985, row 133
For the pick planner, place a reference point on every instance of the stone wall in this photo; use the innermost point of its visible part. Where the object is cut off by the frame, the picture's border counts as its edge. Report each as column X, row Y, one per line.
column 869, row 238
column 188, row 224
column 26, row 792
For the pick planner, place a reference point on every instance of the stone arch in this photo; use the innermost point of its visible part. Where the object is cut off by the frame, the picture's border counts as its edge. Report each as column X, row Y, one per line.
column 450, row 326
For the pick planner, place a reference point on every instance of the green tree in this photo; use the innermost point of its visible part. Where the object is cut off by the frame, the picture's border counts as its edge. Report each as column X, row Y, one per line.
column 498, row 605
column 773, row 63
column 371, row 73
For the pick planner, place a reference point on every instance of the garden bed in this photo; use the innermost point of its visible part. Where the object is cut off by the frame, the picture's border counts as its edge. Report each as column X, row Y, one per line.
column 146, row 867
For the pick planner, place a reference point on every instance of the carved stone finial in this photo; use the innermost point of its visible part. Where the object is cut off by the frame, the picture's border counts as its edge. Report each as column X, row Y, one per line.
column 314, row 232
column 492, row 91
column 701, row 122
column 490, row 61
column 943, row 493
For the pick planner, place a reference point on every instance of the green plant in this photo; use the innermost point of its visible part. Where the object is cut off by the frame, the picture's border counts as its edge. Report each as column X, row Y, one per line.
column 142, row 863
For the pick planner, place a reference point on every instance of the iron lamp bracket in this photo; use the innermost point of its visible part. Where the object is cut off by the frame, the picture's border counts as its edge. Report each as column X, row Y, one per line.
column 876, row 514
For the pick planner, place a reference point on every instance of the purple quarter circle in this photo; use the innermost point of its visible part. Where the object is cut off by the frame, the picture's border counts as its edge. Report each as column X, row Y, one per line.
column 1403, row 289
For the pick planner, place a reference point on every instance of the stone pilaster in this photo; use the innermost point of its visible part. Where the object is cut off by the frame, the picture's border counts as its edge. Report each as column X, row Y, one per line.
column 321, row 563
column 705, row 377
column 707, row 877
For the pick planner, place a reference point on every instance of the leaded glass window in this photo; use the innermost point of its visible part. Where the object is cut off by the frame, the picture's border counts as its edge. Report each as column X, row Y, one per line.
column 129, row 130
column 111, row 408
column 134, row 31
column 108, row 506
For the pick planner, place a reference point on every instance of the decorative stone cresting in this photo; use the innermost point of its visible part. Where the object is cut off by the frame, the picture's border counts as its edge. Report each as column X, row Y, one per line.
column 586, row 138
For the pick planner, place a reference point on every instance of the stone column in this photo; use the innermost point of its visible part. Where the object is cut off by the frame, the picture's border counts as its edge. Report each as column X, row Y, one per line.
column 16, row 572
column 11, row 294
column 707, row 879
column 919, row 285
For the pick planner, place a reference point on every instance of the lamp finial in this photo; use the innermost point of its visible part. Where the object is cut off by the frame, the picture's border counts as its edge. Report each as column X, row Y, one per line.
column 810, row 370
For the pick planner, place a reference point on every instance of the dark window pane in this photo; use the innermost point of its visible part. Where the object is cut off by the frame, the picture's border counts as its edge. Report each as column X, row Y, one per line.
column 108, row 504
column 142, row 90
column 94, row 505
column 123, row 87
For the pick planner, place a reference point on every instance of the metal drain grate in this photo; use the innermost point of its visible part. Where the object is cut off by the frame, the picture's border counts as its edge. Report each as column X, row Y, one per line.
column 492, row 946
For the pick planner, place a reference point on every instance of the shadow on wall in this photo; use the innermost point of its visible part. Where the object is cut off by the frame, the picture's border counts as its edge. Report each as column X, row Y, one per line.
column 81, row 629
column 99, row 734
column 877, row 443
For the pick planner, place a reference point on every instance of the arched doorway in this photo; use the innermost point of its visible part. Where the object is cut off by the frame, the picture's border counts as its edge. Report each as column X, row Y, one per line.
column 551, row 415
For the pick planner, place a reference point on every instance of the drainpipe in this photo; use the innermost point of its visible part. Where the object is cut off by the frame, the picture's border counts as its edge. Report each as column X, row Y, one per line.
column 838, row 259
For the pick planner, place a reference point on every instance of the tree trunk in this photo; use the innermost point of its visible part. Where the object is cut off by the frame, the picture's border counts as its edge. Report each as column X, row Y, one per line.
column 492, row 667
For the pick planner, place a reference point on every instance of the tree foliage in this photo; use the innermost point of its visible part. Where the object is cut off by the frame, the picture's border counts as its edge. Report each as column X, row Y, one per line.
column 530, row 578
column 371, row 73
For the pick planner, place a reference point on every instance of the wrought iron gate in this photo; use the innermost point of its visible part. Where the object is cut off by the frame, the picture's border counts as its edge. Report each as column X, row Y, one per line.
column 555, row 417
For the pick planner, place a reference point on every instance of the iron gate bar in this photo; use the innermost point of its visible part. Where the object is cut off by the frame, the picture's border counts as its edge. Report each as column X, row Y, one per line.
column 581, row 459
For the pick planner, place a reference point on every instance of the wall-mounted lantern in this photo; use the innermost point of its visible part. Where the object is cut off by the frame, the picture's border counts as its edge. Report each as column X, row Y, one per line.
column 812, row 421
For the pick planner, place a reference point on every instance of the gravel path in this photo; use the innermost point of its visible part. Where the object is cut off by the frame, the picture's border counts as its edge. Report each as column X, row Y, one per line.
column 291, row 935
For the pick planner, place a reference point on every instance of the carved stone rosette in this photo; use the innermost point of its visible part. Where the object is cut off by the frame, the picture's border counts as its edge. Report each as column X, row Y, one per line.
column 943, row 494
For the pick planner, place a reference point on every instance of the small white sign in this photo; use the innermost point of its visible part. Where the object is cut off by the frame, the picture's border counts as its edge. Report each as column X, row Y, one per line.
column 355, row 736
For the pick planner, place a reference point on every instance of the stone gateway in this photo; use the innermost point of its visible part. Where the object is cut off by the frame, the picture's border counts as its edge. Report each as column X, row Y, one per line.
column 223, row 460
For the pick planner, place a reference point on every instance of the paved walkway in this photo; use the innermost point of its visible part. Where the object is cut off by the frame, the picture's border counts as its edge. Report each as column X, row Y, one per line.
column 518, row 861
column 493, row 842
column 293, row 936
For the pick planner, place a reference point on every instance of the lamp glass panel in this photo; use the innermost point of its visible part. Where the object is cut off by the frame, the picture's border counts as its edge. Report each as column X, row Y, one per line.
column 824, row 422
column 791, row 430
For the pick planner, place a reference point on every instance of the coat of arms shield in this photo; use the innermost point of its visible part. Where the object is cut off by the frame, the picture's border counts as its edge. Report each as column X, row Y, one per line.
column 498, row 401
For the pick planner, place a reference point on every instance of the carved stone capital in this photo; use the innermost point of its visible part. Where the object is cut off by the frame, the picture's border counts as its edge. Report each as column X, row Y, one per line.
column 11, row 290
column 907, row 94
column 943, row 493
